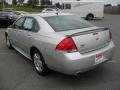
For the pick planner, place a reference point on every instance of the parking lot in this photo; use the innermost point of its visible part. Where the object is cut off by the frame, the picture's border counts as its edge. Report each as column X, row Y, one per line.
column 18, row 73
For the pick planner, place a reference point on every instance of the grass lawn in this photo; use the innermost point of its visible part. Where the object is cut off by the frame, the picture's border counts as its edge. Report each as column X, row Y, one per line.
column 22, row 8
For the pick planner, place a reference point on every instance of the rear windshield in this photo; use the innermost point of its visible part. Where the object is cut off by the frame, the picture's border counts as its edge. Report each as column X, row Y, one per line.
column 67, row 22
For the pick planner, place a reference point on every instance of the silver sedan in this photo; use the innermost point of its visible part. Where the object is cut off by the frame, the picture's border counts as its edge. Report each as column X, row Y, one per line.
column 60, row 42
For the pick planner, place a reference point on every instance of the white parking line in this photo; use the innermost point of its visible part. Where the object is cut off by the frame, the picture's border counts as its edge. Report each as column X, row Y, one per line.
column 113, row 61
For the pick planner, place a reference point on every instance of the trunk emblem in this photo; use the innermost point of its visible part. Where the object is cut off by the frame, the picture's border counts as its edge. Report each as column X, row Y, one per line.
column 82, row 45
column 97, row 39
column 95, row 33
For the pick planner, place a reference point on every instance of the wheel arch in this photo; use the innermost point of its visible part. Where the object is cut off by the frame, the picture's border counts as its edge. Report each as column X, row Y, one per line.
column 89, row 15
column 34, row 48
column 6, row 34
column 46, row 70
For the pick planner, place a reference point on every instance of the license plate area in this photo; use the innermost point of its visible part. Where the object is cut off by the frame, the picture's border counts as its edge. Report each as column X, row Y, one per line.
column 99, row 58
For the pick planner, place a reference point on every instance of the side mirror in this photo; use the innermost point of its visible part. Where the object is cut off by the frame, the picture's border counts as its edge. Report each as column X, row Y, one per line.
column 11, row 26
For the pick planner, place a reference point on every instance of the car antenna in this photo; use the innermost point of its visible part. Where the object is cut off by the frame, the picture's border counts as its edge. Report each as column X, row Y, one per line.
column 57, row 12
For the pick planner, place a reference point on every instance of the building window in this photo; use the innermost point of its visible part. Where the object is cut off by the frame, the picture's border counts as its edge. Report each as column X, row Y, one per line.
column 67, row 6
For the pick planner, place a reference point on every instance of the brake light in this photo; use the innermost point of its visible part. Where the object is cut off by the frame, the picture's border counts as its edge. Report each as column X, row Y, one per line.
column 110, row 35
column 67, row 45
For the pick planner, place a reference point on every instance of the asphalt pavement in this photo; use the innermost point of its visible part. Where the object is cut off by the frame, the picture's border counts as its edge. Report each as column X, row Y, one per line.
column 18, row 73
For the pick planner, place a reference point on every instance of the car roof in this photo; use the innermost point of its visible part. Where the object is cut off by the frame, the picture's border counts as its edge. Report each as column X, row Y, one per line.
column 48, row 14
column 4, row 12
column 20, row 11
column 48, row 8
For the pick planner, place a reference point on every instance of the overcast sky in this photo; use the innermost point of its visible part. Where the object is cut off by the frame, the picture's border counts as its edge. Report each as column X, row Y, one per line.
column 114, row 2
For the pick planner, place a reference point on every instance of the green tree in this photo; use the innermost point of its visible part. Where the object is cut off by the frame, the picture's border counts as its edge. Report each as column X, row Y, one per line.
column 4, row 1
column 20, row 1
column 14, row 2
column 46, row 2
column 33, row 2
column 29, row 2
column 58, row 5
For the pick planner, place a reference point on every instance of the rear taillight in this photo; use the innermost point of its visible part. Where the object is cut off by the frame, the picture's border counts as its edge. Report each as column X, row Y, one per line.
column 110, row 35
column 67, row 45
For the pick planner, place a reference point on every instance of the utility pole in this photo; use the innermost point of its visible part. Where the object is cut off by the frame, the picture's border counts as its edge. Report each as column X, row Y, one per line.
column 40, row 2
column 3, row 4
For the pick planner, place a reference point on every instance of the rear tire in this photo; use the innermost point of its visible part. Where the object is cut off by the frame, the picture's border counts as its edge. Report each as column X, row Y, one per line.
column 90, row 17
column 9, row 45
column 39, row 63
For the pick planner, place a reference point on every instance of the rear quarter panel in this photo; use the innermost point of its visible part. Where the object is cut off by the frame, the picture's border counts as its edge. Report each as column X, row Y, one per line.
column 46, row 43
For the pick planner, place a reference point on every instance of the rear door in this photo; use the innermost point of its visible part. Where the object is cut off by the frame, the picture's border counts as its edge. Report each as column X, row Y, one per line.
column 30, row 27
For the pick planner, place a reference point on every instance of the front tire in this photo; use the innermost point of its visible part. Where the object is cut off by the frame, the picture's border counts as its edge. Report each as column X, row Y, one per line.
column 39, row 63
column 90, row 17
column 8, row 43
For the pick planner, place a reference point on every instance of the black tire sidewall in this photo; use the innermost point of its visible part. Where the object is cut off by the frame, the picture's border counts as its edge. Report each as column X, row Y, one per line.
column 90, row 17
column 45, row 69
column 10, row 45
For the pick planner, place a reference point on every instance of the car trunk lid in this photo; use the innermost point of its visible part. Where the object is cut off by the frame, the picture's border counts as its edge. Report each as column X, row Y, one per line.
column 90, row 39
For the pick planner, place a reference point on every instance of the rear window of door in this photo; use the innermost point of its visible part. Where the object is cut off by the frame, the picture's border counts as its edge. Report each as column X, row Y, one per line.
column 30, row 24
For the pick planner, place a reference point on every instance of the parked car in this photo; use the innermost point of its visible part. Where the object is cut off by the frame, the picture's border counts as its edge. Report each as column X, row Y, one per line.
column 61, row 42
column 7, row 18
column 20, row 13
column 8, row 9
column 49, row 10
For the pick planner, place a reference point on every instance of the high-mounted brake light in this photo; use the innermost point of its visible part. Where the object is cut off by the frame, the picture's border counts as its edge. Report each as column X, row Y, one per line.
column 67, row 45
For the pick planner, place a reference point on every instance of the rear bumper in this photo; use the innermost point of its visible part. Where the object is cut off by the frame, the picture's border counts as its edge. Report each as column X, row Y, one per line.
column 73, row 63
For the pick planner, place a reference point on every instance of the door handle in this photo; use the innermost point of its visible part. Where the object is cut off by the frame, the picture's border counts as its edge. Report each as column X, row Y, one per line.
column 20, row 30
column 29, row 35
